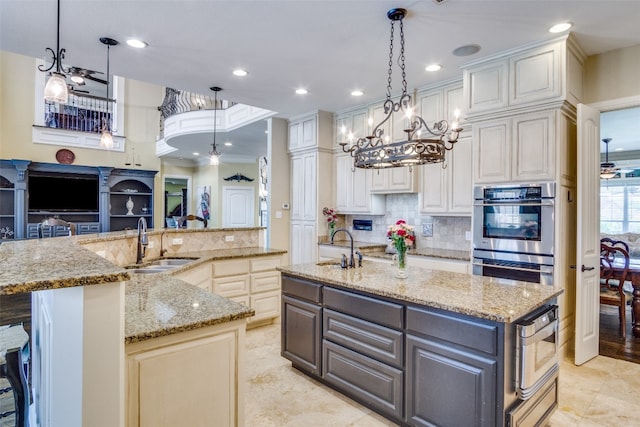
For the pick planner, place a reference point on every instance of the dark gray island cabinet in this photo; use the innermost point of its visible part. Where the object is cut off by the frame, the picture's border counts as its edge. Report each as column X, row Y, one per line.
column 414, row 364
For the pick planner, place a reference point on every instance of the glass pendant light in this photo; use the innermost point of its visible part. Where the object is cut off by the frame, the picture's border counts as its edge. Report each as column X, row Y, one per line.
column 56, row 89
column 214, row 156
column 106, row 138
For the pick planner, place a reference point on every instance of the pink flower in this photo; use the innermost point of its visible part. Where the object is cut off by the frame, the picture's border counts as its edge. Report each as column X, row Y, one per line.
column 400, row 221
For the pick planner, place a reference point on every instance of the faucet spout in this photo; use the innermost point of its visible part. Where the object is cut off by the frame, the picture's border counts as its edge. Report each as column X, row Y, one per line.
column 352, row 261
column 142, row 239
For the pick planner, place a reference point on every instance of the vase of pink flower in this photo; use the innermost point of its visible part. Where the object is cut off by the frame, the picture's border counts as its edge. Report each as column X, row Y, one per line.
column 403, row 237
column 332, row 217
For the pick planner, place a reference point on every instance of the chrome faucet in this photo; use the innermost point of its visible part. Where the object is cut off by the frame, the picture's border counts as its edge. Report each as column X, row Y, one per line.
column 142, row 239
column 352, row 262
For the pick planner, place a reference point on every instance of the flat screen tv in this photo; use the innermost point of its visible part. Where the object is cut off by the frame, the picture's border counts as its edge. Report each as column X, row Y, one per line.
column 76, row 193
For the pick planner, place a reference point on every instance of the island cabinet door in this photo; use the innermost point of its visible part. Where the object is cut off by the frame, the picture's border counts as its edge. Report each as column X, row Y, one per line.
column 301, row 334
column 449, row 386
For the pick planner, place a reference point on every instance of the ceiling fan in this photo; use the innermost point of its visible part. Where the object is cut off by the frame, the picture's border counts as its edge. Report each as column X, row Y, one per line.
column 74, row 90
column 608, row 169
column 79, row 75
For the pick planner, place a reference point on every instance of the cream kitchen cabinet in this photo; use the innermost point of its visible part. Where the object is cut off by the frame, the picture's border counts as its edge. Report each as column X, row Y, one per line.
column 204, row 370
column 304, row 242
column 351, row 123
column 395, row 180
column 353, row 189
column 441, row 103
column 302, row 133
column 449, row 191
column 540, row 74
column 254, row 282
column 199, row 276
column 312, row 180
column 304, row 183
column 519, row 148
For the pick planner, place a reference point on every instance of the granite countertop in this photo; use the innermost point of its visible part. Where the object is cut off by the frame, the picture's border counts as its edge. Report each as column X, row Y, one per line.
column 159, row 304
column 378, row 250
column 490, row 298
column 39, row 264
column 155, row 304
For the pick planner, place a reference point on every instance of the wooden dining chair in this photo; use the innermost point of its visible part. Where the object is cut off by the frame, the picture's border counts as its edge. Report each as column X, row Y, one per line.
column 180, row 221
column 14, row 366
column 612, row 242
column 614, row 269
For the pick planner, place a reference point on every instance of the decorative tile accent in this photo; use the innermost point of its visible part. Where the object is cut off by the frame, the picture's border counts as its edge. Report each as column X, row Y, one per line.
column 448, row 232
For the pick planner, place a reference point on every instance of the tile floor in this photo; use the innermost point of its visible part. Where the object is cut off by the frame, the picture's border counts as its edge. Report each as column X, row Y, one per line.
column 603, row 392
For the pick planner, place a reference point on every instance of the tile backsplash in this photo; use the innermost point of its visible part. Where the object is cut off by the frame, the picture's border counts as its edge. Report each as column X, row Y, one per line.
column 447, row 232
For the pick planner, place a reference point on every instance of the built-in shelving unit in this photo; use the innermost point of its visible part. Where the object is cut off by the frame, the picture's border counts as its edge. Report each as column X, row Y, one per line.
column 130, row 189
column 98, row 205
column 7, row 208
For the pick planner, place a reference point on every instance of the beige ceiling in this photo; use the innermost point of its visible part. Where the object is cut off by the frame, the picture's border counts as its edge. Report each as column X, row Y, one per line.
column 330, row 47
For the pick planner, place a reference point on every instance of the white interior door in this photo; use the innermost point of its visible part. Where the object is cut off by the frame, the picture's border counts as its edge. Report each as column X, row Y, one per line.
column 588, row 240
column 238, row 205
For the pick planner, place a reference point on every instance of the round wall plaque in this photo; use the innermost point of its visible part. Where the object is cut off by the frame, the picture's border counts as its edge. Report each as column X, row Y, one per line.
column 64, row 156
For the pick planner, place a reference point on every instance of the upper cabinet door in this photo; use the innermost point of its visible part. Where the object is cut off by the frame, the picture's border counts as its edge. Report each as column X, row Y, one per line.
column 460, row 178
column 533, row 137
column 295, row 131
column 491, row 151
column 486, row 87
column 535, row 75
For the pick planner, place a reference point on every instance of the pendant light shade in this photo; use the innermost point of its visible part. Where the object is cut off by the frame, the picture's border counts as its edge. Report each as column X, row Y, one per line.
column 106, row 138
column 608, row 169
column 214, row 155
column 56, row 89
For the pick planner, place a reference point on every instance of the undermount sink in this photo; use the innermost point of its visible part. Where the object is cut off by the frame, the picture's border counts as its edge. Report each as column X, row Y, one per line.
column 172, row 262
column 159, row 265
column 147, row 270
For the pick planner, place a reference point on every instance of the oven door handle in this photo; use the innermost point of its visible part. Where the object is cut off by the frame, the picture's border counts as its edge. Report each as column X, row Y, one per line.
column 542, row 270
column 542, row 334
column 550, row 203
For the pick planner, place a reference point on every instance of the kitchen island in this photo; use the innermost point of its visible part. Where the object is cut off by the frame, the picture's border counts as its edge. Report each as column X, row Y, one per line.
column 437, row 348
column 102, row 332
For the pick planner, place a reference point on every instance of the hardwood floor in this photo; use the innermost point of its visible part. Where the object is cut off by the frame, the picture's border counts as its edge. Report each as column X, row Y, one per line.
column 612, row 344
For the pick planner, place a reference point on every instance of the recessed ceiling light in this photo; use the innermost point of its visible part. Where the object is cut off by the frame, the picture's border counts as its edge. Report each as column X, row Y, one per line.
column 466, row 50
column 433, row 67
column 619, row 149
column 357, row 93
column 138, row 44
column 195, row 153
column 561, row 27
column 228, row 144
column 302, row 91
column 239, row 72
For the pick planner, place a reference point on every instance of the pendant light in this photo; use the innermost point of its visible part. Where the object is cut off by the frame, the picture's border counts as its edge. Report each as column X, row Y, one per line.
column 214, row 156
column 376, row 151
column 56, row 89
column 106, row 138
column 608, row 169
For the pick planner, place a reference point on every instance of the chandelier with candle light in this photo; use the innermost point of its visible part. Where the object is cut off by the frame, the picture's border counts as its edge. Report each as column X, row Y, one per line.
column 424, row 144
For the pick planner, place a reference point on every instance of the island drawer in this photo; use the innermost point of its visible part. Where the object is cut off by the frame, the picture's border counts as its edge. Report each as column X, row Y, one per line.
column 265, row 263
column 369, row 381
column 381, row 312
column 230, row 268
column 302, row 289
column 465, row 332
column 378, row 342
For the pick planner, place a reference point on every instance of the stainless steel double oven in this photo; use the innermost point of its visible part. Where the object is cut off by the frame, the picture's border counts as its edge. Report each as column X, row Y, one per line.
column 513, row 231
